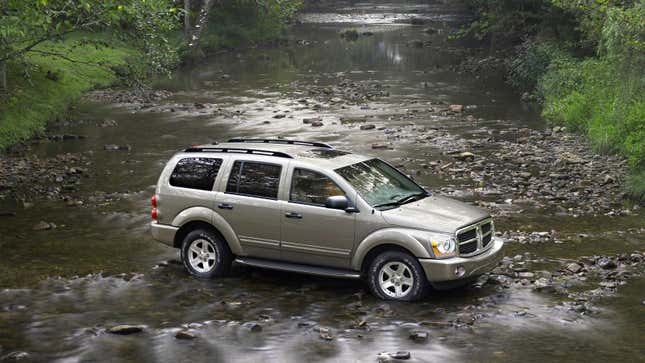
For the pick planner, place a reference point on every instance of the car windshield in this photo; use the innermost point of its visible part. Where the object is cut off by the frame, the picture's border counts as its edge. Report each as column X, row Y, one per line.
column 381, row 185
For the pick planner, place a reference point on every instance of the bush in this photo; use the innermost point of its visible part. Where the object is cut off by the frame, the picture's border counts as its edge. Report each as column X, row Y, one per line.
column 531, row 63
column 592, row 96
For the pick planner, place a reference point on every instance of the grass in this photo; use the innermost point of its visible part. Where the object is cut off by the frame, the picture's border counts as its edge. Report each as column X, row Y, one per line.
column 595, row 97
column 37, row 98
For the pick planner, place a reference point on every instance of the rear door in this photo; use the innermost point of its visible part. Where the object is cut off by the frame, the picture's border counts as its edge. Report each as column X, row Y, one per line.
column 250, row 205
column 311, row 233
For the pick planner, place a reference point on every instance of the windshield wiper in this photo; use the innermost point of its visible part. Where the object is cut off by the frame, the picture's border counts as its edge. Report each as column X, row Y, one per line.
column 404, row 200
column 412, row 198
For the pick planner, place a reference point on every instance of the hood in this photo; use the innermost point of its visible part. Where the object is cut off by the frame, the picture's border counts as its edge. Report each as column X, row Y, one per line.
column 435, row 213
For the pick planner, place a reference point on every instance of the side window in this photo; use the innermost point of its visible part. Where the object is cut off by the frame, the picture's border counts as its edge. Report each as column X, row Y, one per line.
column 195, row 173
column 312, row 188
column 254, row 179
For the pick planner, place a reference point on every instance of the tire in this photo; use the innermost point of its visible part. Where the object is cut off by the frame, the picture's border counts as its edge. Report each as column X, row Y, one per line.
column 205, row 254
column 398, row 276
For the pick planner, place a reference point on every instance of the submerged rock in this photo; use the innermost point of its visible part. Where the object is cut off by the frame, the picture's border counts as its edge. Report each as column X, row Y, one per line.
column 126, row 329
column 42, row 226
column 419, row 336
column 185, row 335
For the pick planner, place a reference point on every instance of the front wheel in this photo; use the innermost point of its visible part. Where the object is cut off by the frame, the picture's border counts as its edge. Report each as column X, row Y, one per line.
column 206, row 255
column 395, row 275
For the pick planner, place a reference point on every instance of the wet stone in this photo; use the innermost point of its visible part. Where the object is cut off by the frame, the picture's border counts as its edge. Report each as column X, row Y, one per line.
column 185, row 335
column 393, row 356
column 126, row 329
column 42, row 226
column 15, row 356
column 419, row 336
column 253, row 327
column 574, row 267
column 606, row 263
column 325, row 334
column 368, row 127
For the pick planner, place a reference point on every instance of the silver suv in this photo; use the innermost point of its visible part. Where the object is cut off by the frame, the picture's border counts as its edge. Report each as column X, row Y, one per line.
column 306, row 207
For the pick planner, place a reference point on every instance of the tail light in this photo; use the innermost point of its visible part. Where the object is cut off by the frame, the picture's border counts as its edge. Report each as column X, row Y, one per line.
column 153, row 201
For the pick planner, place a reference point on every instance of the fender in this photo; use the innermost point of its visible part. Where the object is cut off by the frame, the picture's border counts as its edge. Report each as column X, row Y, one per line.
column 207, row 215
column 402, row 237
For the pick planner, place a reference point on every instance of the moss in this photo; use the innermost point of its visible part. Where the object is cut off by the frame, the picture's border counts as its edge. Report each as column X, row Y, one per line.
column 52, row 83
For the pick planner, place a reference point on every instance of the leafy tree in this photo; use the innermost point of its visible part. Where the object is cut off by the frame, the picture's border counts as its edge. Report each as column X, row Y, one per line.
column 24, row 24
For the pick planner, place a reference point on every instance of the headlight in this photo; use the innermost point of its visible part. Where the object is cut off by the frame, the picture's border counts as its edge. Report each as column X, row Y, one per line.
column 444, row 246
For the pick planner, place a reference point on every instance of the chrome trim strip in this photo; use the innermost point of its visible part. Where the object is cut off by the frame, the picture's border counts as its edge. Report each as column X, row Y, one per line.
column 479, row 237
column 315, row 249
column 259, row 241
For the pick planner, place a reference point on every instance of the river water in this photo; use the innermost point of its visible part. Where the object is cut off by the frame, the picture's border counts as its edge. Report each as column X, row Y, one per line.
column 63, row 288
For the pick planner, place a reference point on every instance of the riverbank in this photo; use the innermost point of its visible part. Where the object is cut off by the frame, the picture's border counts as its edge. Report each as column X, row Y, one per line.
column 582, row 62
column 54, row 82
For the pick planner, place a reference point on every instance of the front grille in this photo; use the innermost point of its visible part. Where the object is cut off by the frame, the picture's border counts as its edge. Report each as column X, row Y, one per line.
column 469, row 247
column 475, row 238
column 467, row 236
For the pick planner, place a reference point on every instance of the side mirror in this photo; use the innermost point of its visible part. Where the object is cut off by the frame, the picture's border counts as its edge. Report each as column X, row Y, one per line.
column 337, row 202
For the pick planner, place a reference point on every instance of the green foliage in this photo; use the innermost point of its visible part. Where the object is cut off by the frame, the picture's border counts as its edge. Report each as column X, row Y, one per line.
column 25, row 24
column 241, row 22
column 589, row 96
column 532, row 62
column 36, row 99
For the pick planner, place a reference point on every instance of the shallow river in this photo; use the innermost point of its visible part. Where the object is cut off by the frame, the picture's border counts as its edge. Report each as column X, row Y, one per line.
column 62, row 288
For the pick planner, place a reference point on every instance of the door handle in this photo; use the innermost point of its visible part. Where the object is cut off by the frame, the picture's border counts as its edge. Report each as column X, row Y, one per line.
column 225, row 206
column 293, row 215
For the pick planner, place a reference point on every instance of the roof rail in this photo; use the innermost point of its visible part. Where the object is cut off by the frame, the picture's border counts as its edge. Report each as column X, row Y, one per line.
column 199, row 149
column 283, row 141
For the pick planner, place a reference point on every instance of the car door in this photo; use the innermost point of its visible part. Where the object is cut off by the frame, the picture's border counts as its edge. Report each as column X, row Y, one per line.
column 311, row 233
column 250, row 205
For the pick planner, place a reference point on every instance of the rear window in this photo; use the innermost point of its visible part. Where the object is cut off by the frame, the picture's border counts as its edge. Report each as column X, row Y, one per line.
column 254, row 179
column 195, row 173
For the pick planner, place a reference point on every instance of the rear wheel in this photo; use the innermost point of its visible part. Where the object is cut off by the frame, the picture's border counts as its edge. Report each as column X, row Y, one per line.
column 395, row 275
column 206, row 255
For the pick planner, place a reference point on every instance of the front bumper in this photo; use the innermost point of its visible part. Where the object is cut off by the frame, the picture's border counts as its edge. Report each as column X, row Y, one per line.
column 444, row 270
column 163, row 233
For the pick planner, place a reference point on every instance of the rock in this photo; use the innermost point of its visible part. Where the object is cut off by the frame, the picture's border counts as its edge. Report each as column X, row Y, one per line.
column 526, row 275
column 392, row 356
column 465, row 156
column 325, row 334
column 5, row 213
column 525, row 175
column 317, row 124
column 466, row 318
column 185, row 335
column 42, row 226
column 456, row 108
column 606, row 263
column 574, row 267
column 15, row 356
column 280, row 115
column 368, row 127
column 126, row 329
column 418, row 21
column 349, row 34
column 543, row 284
column 311, row 120
column 380, row 146
column 430, row 31
column 253, row 326
column 419, row 336
column 608, row 179
column 352, row 120
column 108, row 123
column 636, row 257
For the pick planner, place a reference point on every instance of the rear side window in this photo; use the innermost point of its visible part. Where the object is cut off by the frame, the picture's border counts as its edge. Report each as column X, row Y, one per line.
column 195, row 173
column 254, row 179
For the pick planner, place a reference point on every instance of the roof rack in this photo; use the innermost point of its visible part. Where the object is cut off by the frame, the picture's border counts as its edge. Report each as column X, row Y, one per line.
column 238, row 150
column 283, row 141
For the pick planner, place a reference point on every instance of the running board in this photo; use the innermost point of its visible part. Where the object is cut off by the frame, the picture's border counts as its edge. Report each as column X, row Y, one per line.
column 294, row 267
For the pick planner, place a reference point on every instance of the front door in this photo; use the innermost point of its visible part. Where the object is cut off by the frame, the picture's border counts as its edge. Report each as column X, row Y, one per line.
column 311, row 233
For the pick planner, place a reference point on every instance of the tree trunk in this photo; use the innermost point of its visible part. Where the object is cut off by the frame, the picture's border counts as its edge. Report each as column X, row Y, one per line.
column 3, row 77
column 187, row 12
